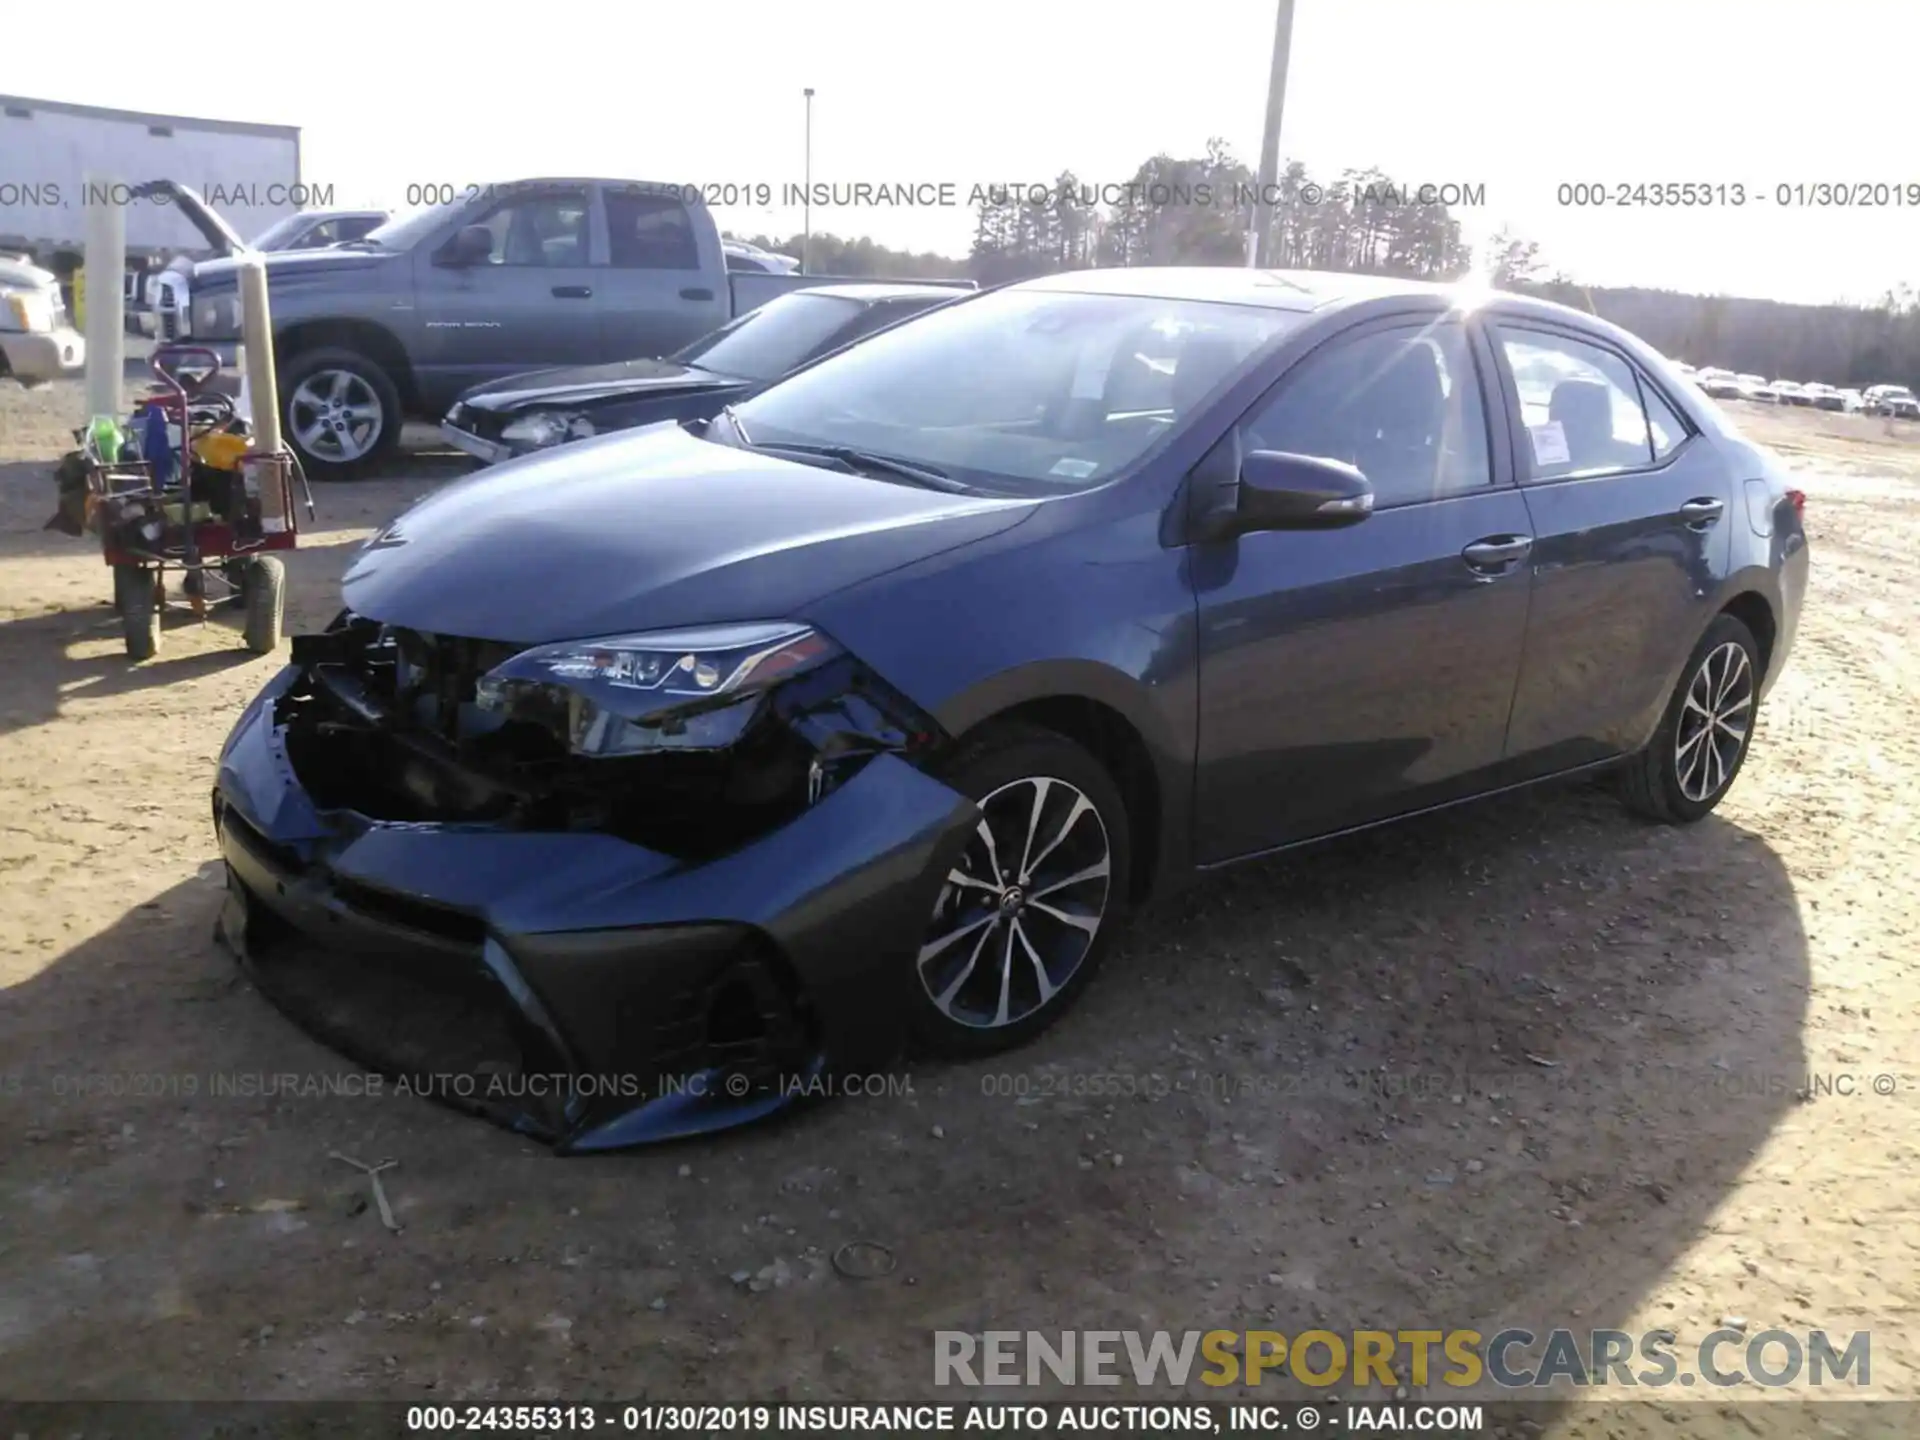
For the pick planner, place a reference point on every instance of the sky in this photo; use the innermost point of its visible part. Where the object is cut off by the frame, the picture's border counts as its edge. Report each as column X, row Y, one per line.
column 1520, row 97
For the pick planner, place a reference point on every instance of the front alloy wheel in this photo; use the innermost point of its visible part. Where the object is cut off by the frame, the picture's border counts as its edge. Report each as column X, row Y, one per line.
column 1022, row 917
column 337, row 418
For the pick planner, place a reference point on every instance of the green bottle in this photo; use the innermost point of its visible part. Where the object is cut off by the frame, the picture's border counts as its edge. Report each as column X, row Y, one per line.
column 104, row 439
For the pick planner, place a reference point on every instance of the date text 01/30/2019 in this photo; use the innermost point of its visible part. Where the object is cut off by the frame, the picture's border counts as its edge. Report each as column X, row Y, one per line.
column 1736, row 194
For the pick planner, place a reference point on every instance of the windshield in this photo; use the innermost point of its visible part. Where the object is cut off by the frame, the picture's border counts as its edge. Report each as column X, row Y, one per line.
column 279, row 230
column 1036, row 386
column 403, row 232
column 766, row 343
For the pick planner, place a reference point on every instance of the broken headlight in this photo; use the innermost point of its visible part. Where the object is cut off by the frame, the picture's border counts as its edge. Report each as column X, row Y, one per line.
column 545, row 427
column 693, row 689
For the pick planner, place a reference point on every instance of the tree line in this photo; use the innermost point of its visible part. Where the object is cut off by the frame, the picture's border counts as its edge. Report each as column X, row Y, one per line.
column 1194, row 211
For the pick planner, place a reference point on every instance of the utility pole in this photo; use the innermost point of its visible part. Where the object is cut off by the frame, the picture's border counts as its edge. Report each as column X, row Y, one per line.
column 1270, row 141
column 806, row 235
column 103, row 273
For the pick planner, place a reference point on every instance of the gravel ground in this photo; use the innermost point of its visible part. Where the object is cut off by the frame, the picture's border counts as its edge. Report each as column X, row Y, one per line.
column 1253, row 1121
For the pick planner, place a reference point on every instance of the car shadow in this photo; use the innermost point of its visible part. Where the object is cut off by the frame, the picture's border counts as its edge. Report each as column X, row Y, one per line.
column 1489, row 1068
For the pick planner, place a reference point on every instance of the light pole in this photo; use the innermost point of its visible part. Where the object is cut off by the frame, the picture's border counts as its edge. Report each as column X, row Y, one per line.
column 1270, row 142
column 806, row 236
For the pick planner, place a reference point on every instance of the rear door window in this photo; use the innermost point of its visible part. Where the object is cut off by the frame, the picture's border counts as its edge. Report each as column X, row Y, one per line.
column 1580, row 405
column 647, row 230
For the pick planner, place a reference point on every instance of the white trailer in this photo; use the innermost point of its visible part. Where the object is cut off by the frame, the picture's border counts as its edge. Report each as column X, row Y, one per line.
column 249, row 174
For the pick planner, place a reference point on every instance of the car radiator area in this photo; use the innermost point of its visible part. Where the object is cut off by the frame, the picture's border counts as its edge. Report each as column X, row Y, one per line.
column 594, row 951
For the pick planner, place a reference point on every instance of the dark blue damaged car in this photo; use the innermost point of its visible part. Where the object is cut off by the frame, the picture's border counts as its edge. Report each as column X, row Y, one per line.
column 643, row 784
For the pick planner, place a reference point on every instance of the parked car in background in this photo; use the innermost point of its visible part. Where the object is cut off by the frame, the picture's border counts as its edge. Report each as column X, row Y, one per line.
column 1823, row 397
column 37, row 341
column 514, row 277
column 1757, row 389
column 718, row 755
column 1853, row 401
column 742, row 256
column 317, row 229
column 1892, row 400
column 1790, row 392
column 548, row 407
column 1720, row 384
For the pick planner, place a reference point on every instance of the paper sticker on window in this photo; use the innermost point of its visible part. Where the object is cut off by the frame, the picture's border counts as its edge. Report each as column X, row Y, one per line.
column 1077, row 469
column 1549, row 444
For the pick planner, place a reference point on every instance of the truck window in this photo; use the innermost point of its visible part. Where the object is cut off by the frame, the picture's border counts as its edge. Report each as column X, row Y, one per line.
column 650, row 232
column 546, row 230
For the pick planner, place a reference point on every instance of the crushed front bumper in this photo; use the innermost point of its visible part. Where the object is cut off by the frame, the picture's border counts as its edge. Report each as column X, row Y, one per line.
column 572, row 985
column 488, row 452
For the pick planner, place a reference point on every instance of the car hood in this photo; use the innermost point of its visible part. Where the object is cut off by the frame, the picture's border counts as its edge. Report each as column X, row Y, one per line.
column 585, row 384
column 285, row 265
column 649, row 529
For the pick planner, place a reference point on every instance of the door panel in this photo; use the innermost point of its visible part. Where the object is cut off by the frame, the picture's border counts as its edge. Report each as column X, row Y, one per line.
column 533, row 303
column 1350, row 675
column 659, row 294
column 1631, row 521
column 1623, row 584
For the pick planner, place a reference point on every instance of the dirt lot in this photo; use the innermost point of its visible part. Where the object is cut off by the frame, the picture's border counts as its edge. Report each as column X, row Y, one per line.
column 1331, row 1105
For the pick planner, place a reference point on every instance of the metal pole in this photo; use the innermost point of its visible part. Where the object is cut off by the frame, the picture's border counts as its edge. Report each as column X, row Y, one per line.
column 806, row 238
column 1270, row 142
column 105, row 272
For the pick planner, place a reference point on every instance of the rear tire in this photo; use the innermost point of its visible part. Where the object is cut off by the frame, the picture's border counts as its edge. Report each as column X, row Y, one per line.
column 136, row 597
column 1024, row 921
column 339, row 410
column 1691, row 762
column 263, row 593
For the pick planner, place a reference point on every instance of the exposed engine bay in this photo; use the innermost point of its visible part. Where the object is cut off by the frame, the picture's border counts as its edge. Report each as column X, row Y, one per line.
column 399, row 725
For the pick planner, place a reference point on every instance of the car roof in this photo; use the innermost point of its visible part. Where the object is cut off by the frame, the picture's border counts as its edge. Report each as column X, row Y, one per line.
column 1299, row 290
column 875, row 291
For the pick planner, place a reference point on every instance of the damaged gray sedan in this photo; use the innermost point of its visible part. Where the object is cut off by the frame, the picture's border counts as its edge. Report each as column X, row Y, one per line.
column 645, row 783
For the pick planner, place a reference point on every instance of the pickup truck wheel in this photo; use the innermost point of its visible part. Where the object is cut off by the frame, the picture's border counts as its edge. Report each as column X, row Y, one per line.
column 341, row 411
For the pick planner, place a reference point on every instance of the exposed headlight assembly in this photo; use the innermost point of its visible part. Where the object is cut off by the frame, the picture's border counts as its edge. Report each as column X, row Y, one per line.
column 542, row 428
column 695, row 689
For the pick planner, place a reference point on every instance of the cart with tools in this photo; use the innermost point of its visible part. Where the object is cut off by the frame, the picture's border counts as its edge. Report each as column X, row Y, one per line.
column 196, row 498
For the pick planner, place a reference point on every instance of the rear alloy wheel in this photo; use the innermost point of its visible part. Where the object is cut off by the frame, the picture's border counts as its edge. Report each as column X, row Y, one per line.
column 1026, row 913
column 1703, row 739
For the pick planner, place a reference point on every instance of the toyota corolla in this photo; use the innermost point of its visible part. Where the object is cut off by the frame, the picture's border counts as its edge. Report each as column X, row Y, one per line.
column 643, row 782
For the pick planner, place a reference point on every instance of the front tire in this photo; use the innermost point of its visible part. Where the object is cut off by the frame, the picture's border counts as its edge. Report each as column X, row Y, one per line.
column 1703, row 739
column 1027, row 913
column 339, row 410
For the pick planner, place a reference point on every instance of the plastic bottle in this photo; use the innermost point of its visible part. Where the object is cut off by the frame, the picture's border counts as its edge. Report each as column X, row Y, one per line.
column 104, row 439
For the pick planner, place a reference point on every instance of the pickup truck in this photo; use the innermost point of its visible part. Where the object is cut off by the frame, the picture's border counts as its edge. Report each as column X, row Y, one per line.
column 503, row 278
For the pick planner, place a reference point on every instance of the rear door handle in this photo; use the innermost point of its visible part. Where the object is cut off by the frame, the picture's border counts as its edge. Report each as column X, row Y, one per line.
column 572, row 292
column 696, row 293
column 1702, row 512
column 1496, row 555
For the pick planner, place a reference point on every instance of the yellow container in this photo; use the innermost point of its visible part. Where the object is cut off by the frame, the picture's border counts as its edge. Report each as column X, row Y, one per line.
column 221, row 452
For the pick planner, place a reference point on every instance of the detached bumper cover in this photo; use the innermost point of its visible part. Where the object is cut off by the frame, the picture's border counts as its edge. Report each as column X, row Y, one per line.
column 574, row 986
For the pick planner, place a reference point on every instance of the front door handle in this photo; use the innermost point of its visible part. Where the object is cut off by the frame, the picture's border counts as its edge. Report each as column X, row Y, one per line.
column 1496, row 555
column 696, row 292
column 572, row 292
column 1701, row 513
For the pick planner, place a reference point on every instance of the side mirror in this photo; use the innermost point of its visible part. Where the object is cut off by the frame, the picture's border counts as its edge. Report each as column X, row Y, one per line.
column 470, row 245
column 1279, row 491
